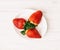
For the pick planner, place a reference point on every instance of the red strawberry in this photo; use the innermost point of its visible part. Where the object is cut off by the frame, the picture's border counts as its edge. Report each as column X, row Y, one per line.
column 35, row 18
column 19, row 22
column 33, row 33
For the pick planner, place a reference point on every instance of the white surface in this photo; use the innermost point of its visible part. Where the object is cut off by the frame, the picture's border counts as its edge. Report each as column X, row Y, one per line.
column 26, row 13
column 10, row 40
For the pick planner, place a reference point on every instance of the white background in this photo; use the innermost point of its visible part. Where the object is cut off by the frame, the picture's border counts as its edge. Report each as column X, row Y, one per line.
column 10, row 40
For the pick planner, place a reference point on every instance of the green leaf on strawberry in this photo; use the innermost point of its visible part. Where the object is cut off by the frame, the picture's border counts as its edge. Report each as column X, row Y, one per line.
column 27, row 26
column 23, row 32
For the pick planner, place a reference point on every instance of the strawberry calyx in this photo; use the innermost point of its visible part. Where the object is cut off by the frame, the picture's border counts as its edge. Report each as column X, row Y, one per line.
column 27, row 26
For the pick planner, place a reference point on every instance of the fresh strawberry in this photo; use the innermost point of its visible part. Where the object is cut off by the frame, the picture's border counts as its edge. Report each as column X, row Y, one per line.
column 19, row 22
column 33, row 33
column 35, row 18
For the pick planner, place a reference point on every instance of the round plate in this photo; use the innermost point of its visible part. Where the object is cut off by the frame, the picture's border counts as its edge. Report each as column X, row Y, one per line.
column 42, row 27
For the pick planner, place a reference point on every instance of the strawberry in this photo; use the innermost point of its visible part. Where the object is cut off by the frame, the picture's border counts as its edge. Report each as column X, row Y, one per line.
column 19, row 22
column 33, row 33
column 35, row 18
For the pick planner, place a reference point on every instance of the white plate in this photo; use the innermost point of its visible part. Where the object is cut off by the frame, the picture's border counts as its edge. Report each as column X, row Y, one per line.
column 42, row 27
